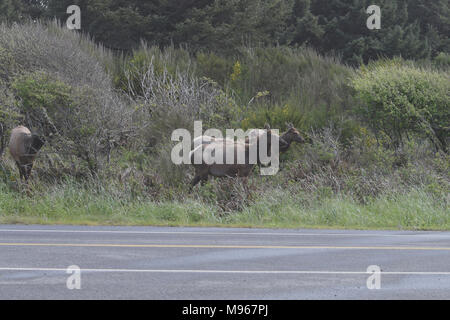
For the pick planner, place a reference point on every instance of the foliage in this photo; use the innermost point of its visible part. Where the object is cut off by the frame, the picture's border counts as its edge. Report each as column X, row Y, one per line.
column 399, row 99
column 108, row 119
column 74, row 107
column 414, row 29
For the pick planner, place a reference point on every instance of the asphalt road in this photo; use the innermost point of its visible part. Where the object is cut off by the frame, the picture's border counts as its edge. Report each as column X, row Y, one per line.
column 215, row 263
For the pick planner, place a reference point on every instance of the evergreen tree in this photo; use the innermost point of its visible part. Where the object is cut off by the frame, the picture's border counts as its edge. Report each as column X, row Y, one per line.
column 226, row 24
column 304, row 26
column 10, row 10
column 414, row 29
column 344, row 22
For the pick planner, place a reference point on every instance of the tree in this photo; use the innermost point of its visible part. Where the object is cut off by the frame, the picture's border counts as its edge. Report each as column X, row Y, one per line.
column 10, row 10
column 346, row 33
column 414, row 29
column 434, row 20
column 304, row 27
column 210, row 24
column 227, row 24
column 18, row 10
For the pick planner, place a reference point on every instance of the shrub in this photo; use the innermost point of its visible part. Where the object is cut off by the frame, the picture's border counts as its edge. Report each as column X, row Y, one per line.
column 289, row 72
column 171, row 101
column 35, row 46
column 399, row 99
column 62, row 91
column 130, row 68
column 215, row 67
column 442, row 60
column 7, row 64
column 46, row 103
column 69, row 117
column 230, row 195
column 297, row 85
column 276, row 116
column 9, row 114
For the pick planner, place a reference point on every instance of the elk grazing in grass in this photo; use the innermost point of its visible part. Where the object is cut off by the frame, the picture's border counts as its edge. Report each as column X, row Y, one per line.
column 24, row 147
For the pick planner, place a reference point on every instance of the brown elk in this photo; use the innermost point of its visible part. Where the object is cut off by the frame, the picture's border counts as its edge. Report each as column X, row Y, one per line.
column 24, row 147
column 285, row 140
column 252, row 133
column 291, row 135
column 209, row 144
column 224, row 169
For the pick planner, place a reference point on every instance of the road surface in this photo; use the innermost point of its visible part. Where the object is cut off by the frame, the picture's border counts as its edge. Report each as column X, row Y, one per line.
column 216, row 263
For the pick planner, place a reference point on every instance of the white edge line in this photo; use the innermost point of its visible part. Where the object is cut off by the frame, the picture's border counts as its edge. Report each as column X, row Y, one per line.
column 69, row 270
column 226, row 233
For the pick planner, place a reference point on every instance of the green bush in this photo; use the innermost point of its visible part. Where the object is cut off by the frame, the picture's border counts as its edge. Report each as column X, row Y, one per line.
column 61, row 84
column 68, row 117
column 400, row 99
column 214, row 67
column 276, row 116
column 7, row 64
column 40, row 94
column 9, row 113
column 442, row 60
column 289, row 73
column 299, row 86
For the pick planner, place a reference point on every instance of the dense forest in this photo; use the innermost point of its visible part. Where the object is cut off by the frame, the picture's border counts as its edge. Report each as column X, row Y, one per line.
column 373, row 107
column 414, row 29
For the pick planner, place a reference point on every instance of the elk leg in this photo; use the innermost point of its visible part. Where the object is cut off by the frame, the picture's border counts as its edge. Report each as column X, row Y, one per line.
column 204, row 180
column 28, row 168
column 21, row 170
column 195, row 180
column 245, row 183
column 200, row 176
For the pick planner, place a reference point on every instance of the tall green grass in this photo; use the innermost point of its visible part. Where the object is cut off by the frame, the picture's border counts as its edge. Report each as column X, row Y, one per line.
column 75, row 204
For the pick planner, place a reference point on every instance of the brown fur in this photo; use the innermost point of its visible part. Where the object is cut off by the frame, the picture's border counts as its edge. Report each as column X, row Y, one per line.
column 24, row 147
column 202, row 171
column 291, row 135
column 255, row 133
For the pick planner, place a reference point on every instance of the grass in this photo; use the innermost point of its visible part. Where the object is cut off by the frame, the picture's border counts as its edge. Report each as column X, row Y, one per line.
column 415, row 210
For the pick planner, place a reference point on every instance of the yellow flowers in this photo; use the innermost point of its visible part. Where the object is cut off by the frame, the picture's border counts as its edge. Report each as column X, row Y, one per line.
column 236, row 71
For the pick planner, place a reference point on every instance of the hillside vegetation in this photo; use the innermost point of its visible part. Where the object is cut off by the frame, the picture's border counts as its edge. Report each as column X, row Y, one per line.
column 376, row 157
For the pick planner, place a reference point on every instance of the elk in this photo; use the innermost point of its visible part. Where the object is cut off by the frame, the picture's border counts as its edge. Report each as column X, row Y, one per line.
column 285, row 140
column 24, row 147
column 291, row 135
column 224, row 169
column 209, row 144
column 252, row 133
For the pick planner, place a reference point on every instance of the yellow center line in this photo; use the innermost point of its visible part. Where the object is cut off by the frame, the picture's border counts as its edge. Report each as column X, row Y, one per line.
column 110, row 245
